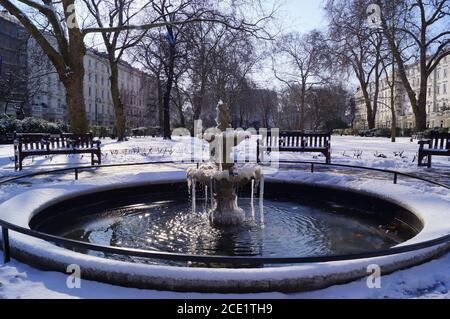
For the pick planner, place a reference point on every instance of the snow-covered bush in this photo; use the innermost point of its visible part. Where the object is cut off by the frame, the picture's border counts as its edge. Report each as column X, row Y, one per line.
column 427, row 133
column 30, row 125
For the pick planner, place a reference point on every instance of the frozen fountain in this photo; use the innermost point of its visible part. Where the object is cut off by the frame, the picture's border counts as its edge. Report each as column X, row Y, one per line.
column 222, row 177
column 171, row 245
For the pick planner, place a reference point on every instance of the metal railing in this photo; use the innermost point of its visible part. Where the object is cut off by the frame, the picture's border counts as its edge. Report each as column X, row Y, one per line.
column 233, row 260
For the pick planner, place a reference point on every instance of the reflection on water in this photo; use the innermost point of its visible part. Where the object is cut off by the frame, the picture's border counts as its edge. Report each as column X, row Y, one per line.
column 292, row 229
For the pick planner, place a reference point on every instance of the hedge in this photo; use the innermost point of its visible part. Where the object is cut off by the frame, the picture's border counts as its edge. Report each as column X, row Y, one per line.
column 30, row 125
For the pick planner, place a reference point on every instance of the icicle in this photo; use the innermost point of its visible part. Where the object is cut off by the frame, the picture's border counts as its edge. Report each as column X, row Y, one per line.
column 189, row 182
column 252, row 199
column 261, row 200
column 211, row 195
column 206, row 197
column 194, row 208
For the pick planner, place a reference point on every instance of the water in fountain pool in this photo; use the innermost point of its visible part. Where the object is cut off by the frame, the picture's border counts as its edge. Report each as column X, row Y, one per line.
column 292, row 228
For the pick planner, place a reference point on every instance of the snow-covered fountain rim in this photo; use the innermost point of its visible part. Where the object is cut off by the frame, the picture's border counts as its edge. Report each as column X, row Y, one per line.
column 30, row 203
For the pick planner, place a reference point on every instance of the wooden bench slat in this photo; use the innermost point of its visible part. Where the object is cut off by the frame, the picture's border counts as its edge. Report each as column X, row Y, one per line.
column 438, row 145
column 27, row 144
column 296, row 142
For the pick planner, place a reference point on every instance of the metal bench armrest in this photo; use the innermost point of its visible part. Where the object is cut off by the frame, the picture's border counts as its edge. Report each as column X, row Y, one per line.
column 96, row 141
column 424, row 142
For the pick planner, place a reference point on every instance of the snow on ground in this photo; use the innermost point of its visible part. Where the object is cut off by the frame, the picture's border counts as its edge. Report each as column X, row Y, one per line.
column 431, row 280
column 365, row 151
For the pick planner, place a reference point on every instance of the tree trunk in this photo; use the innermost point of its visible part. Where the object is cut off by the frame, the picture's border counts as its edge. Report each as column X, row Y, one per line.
column 160, row 103
column 419, row 107
column 393, row 110
column 182, row 119
column 168, row 91
column 377, row 89
column 393, row 126
column 117, row 102
column 420, row 111
column 75, row 101
column 180, row 106
column 199, row 105
column 369, row 111
column 302, row 108
column 420, row 114
column 73, row 80
column 20, row 113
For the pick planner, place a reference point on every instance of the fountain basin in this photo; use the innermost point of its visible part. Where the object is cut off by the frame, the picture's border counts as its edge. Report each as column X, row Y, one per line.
column 411, row 210
column 298, row 223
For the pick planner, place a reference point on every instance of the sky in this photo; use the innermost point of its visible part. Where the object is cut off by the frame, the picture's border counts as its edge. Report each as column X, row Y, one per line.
column 301, row 15
column 292, row 16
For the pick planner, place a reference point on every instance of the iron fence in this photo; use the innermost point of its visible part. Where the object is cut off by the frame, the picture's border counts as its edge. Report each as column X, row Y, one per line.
column 232, row 260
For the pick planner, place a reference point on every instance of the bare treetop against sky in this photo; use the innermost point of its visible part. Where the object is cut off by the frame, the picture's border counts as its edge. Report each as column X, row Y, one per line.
column 299, row 16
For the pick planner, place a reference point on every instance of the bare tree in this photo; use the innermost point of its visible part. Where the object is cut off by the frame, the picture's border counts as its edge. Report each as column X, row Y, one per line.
column 203, row 42
column 163, row 53
column 358, row 48
column 54, row 26
column 64, row 47
column 289, row 115
column 117, row 13
column 327, row 106
column 268, row 100
column 149, row 54
column 301, row 62
column 426, row 24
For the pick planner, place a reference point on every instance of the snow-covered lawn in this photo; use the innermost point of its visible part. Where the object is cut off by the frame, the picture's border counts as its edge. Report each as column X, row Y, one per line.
column 431, row 280
column 373, row 152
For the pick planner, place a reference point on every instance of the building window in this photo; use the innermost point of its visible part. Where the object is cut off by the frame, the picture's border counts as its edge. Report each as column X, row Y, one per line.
column 444, row 88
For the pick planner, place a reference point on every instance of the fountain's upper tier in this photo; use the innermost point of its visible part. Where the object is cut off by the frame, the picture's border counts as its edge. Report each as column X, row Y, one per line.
column 237, row 175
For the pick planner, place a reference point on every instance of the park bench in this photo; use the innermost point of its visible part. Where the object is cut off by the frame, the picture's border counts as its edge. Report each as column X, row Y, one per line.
column 295, row 142
column 438, row 145
column 31, row 144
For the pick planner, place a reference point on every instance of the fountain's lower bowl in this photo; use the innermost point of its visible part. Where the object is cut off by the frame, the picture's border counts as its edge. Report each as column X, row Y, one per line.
column 302, row 224
column 212, row 277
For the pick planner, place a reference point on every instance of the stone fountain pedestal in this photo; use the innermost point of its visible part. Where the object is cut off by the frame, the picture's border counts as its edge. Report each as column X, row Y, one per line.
column 226, row 211
column 222, row 174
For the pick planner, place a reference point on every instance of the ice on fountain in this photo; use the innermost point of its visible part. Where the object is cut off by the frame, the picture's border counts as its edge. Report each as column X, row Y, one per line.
column 261, row 201
column 223, row 176
column 207, row 173
column 252, row 199
column 248, row 172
